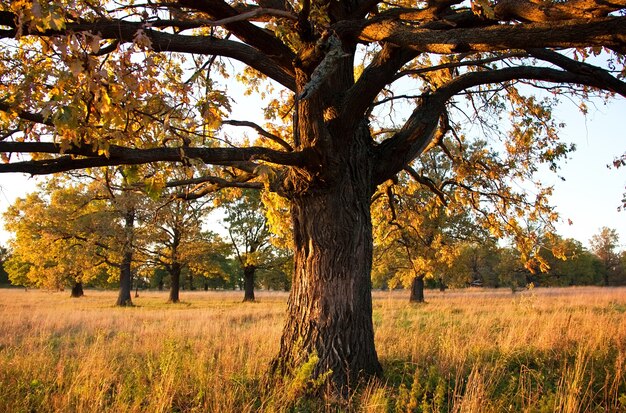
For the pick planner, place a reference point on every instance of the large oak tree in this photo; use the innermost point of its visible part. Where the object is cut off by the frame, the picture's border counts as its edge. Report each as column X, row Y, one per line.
column 95, row 83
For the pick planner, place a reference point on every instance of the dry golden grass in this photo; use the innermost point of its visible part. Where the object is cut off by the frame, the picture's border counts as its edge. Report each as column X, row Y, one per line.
column 556, row 350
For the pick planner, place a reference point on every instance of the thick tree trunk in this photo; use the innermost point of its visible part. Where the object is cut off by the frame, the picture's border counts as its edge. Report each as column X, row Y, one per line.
column 248, row 282
column 77, row 290
column 417, row 289
column 126, row 275
column 174, row 271
column 329, row 314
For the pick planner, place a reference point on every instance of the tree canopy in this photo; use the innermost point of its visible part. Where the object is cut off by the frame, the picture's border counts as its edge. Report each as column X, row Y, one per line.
column 63, row 236
column 354, row 93
column 604, row 245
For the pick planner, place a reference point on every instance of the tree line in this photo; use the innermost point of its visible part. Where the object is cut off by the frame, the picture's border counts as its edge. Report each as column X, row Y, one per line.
column 489, row 265
column 68, row 235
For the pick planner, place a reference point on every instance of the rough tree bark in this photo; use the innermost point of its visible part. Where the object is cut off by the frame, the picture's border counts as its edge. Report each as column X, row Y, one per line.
column 417, row 289
column 126, row 275
column 330, row 305
column 77, row 290
column 248, row 282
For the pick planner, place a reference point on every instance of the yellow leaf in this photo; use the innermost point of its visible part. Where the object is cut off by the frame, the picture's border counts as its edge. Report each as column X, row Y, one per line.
column 104, row 105
column 55, row 21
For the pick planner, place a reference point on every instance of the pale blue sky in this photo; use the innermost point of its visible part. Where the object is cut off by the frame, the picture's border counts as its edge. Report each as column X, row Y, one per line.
column 592, row 192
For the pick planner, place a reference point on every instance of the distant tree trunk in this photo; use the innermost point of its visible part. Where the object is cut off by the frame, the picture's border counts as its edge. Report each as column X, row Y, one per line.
column 442, row 285
column 206, row 285
column 160, row 285
column 248, row 282
column 605, row 277
column 126, row 275
column 417, row 289
column 191, row 287
column 77, row 290
column 174, row 271
column 123, row 298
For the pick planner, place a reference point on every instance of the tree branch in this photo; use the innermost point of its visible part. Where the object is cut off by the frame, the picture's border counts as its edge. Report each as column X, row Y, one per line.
column 247, row 16
column 607, row 32
column 26, row 115
column 418, row 131
column 533, row 11
column 428, row 183
column 261, row 132
column 167, row 42
column 118, row 155
column 255, row 36
column 207, row 184
column 461, row 63
column 379, row 73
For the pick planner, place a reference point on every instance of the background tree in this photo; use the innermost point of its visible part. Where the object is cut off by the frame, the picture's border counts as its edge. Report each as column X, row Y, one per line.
column 476, row 265
column 417, row 239
column 176, row 239
column 94, row 212
column 571, row 265
column 512, row 272
column 250, row 238
column 437, row 215
column 125, row 198
column 216, row 267
column 101, row 83
column 604, row 245
column 56, row 238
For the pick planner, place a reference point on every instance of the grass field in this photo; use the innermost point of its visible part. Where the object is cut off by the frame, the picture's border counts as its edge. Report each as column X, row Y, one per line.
column 543, row 350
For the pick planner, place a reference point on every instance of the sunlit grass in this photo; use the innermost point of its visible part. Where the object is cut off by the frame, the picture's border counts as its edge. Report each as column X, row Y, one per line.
column 464, row 351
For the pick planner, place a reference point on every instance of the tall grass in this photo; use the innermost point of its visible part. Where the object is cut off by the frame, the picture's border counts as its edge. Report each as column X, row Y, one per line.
column 556, row 350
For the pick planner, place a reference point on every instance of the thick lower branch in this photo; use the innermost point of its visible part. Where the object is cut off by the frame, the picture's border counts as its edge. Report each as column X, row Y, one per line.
column 409, row 142
column 118, row 155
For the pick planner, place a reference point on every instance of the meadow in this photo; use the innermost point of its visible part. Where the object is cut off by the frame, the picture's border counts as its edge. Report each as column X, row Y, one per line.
column 542, row 350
